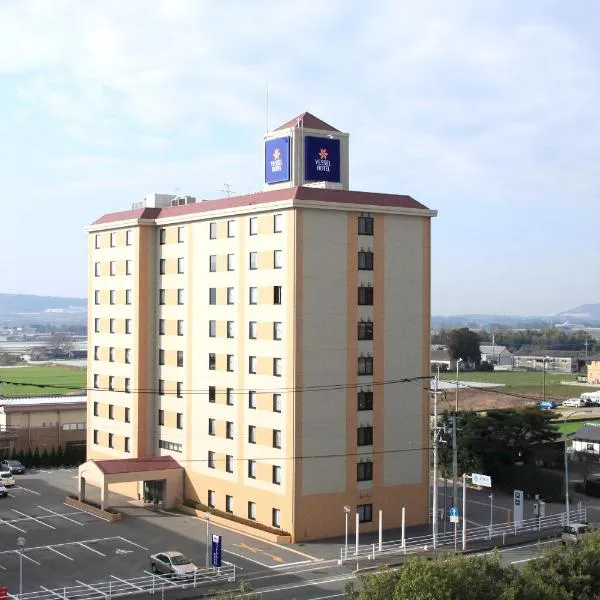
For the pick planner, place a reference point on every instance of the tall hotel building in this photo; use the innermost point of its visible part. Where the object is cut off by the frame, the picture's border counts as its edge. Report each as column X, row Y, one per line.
column 259, row 341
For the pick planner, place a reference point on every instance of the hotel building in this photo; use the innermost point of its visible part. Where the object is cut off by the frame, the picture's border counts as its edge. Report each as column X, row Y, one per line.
column 261, row 340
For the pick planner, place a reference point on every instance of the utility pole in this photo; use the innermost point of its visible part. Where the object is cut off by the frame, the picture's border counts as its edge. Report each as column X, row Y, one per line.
column 454, row 461
column 434, row 528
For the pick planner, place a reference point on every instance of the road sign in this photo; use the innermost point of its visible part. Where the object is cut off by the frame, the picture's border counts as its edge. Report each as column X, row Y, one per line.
column 454, row 511
column 483, row 480
column 518, row 507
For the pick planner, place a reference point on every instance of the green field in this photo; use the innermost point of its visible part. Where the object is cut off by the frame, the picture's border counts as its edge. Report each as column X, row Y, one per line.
column 526, row 383
column 572, row 426
column 60, row 380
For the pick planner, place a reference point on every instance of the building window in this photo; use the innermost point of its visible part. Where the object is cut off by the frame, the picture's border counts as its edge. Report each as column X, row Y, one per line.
column 212, row 393
column 162, row 296
column 212, row 231
column 180, row 358
column 211, row 459
column 179, row 421
column 97, row 269
column 95, row 409
column 277, row 294
column 229, row 397
column 111, row 296
column 278, row 223
column 277, row 403
column 365, row 365
column 96, row 325
column 365, row 330
column 229, row 430
column 128, row 237
column 180, row 327
column 252, row 434
column 277, row 367
column 127, row 296
column 112, row 240
column 230, row 295
column 162, row 236
column 276, row 438
column 212, row 361
column 128, row 326
column 277, row 474
column 180, row 296
column 252, row 262
column 365, row 513
column 170, row 446
column 161, row 327
column 111, row 440
column 276, row 517
column 161, row 387
column 97, row 297
column 229, row 463
column 161, row 356
column 212, row 296
column 96, row 352
column 212, row 430
column 253, row 225
column 365, row 225
column 251, row 399
column 161, row 416
column 252, row 330
column 95, row 436
column 277, row 259
column 231, row 262
column 127, row 385
column 211, row 498
column 252, row 469
column 180, row 266
column 277, row 330
column 127, row 356
column 252, row 511
column 364, row 436
column 111, row 325
column 253, row 295
column 212, row 328
column 365, row 295
column 97, row 241
column 112, row 270
column 230, row 363
column 231, row 228
column 96, row 380
column 127, row 415
column 212, row 263
column 126, row 445
column 364, row 471
column 180, row 235
column 180, row 389
column 252, row 364
column 111, row 383
column 228, row 503
column 365, row 400
column 365, row 261
column 128, row 267
column 230, row 329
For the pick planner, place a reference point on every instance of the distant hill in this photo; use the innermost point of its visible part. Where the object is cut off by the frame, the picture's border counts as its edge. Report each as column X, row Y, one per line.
column 18, row 309
column 583, row 313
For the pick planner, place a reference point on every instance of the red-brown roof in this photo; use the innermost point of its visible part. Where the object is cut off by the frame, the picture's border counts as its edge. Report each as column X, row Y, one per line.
column 277, row 195
column 136, row 465
column 309, row 121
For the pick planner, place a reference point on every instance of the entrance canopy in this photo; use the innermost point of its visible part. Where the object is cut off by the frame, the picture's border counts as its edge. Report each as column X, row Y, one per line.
column 113, row 471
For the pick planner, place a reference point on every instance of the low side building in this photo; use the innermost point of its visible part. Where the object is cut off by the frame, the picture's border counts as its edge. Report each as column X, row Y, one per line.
column 593, row 369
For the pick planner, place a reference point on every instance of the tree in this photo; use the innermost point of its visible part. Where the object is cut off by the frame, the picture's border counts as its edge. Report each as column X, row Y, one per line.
column 464, row 343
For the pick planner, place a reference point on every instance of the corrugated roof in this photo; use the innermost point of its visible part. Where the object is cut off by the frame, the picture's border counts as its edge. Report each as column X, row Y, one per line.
column 309, row 121
column 539, row 352
column 492, row 349
column 588, row 433
column 136, row 465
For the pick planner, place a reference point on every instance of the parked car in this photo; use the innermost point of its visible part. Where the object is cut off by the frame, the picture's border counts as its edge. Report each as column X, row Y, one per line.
column 7, row 479
column 14, row 466
column 3, row 491
column 172, row 563
column 572, row 532
column 575, row 402
column 547, row 404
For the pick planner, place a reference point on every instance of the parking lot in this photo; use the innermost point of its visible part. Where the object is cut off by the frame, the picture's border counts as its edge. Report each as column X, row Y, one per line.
column 63, row 545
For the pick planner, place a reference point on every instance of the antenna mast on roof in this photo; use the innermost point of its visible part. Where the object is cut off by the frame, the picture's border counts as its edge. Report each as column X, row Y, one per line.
column 227, row 189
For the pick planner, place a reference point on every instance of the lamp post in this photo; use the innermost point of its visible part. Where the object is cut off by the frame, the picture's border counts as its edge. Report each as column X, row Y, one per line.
column 347, row 510
column 545, row 361
column 567, row 506
column 454, row 443
column 20, row 544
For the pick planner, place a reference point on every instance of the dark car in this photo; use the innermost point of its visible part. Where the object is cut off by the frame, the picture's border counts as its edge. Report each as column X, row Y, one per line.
column 14, row 466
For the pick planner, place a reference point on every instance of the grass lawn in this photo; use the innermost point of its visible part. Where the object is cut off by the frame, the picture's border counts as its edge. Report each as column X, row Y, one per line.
column 572, row 426
column 68, row 379
column 528, row 383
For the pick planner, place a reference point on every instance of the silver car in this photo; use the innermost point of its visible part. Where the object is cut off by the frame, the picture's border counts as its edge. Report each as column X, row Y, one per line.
column 172, row 563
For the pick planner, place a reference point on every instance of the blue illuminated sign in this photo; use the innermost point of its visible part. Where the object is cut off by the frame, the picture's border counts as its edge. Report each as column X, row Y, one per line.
column 321, row 159
column 277, row 160
column 217, row 543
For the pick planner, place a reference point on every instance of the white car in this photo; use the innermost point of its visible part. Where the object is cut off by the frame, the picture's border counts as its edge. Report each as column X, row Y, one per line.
column 7, row 478
column 575, row 402
column 172, row 563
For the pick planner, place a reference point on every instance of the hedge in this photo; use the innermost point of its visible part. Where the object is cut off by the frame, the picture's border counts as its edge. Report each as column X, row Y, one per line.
column 548, row 483
column 70, row 456
column 230, row 517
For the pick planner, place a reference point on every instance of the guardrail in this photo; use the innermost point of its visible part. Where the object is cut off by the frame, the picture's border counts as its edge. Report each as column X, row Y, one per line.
column 117, row 587
column 498, row 531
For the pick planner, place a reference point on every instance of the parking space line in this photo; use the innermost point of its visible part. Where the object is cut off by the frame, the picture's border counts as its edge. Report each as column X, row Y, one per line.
column 27, row 557
column 85, row 512
column 20, row 487
column 60, row 553
column 59, row 515
column 291, row 564
column 91, row 549
column 3, row 568
column 246, row 558
column 3, row 522
column 133, row 543
column 33, row 518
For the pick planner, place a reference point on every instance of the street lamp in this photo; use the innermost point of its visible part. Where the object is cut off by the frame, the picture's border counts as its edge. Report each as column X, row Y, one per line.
column 20, row 544
column 454, row 444
column 567, row 507
column 347, row 510
column 546, row 360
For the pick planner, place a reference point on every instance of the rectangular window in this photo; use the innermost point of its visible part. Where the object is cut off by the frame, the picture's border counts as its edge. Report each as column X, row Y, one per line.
column 97, row 269
column 229, row 397
column 365, row 513
column 95, row 409
column 180, row 296
column 180, row 265
column 277, row 294
column 162, row 236
column 278, row 223
column 251, row 399
column 111, row 296
column 253, row 225
column 180, row 358
column 365, row 261
column 212, row 263
column 211, row 459
column 229, row 463
column 231, row 262
column 252, row 434
column 112, row 240
column 212, row 429
column 127, row 385
column 180, row 389
column 212, row 328
column 211, row 498
column 212, row 229
column 252, row 511
column 276, row 438
column 161, row 387
column 96, row 325
column 228, row 503
column 111, row 383
column 277, row 367
column 229, row 430
column 276, row 517
column 111, row 325
column 231, row 228
column 97, row 297
column 252, row 364
column 127, row 356
column 127, row 415
column 253, row 295
column 230, row 329
column 162, row 266
column 96, row 352
column 277, row 259
column 161, row 327
column 365, row 365
column 365, row 330
column 365, row 225
column 161, row 356
column 252, row 330
column 111, row 438
column 212, row 393
column 126, row 445
column 128, row 326
column 364, row 436
column 364, row 471
column 277, row 403
column 212, row 361
column 111, row 412
column 95, row 436
column 161, row 417
column 212, row 295
column 230, row 363
column 276, row 474
column 252, row 469
column 162, row 297
column 112, row 269
column 128, row 269
column 252, row 261
column 180, row 235
column 179, row 421
column 180, row 327
column 128, row 237
column 230, row 295
column 127, row 296
column 365, row 400
column 111, row 355
column 365, row 295
column 277, row 330
column 170, row 446
column 97, row 241
column 96, row 381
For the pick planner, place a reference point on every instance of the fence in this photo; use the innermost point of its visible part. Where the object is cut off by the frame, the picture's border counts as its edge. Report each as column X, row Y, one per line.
column 499, row 532
column 117, row 587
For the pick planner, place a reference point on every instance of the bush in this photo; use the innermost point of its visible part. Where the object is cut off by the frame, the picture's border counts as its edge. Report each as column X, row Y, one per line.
column 484, row 365
column 549, row 484
column 592, row 486
column 225, row 515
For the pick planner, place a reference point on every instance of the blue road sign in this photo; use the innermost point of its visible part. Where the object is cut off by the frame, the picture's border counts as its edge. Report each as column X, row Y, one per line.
column 453, row 511
column 216, row 550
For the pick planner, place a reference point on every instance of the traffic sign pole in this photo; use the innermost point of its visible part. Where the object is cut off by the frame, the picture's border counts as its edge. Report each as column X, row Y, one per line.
column 464, row 515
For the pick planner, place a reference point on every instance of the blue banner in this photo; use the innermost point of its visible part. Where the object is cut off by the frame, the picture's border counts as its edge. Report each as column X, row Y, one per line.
column 277, row 160
column 216, row 550
column 321, row 159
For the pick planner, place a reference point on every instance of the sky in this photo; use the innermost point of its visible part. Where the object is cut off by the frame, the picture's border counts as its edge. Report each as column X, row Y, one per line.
column 485, row 111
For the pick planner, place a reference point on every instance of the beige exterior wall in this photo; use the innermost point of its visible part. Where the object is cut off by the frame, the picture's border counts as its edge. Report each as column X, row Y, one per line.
column 593, row 372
